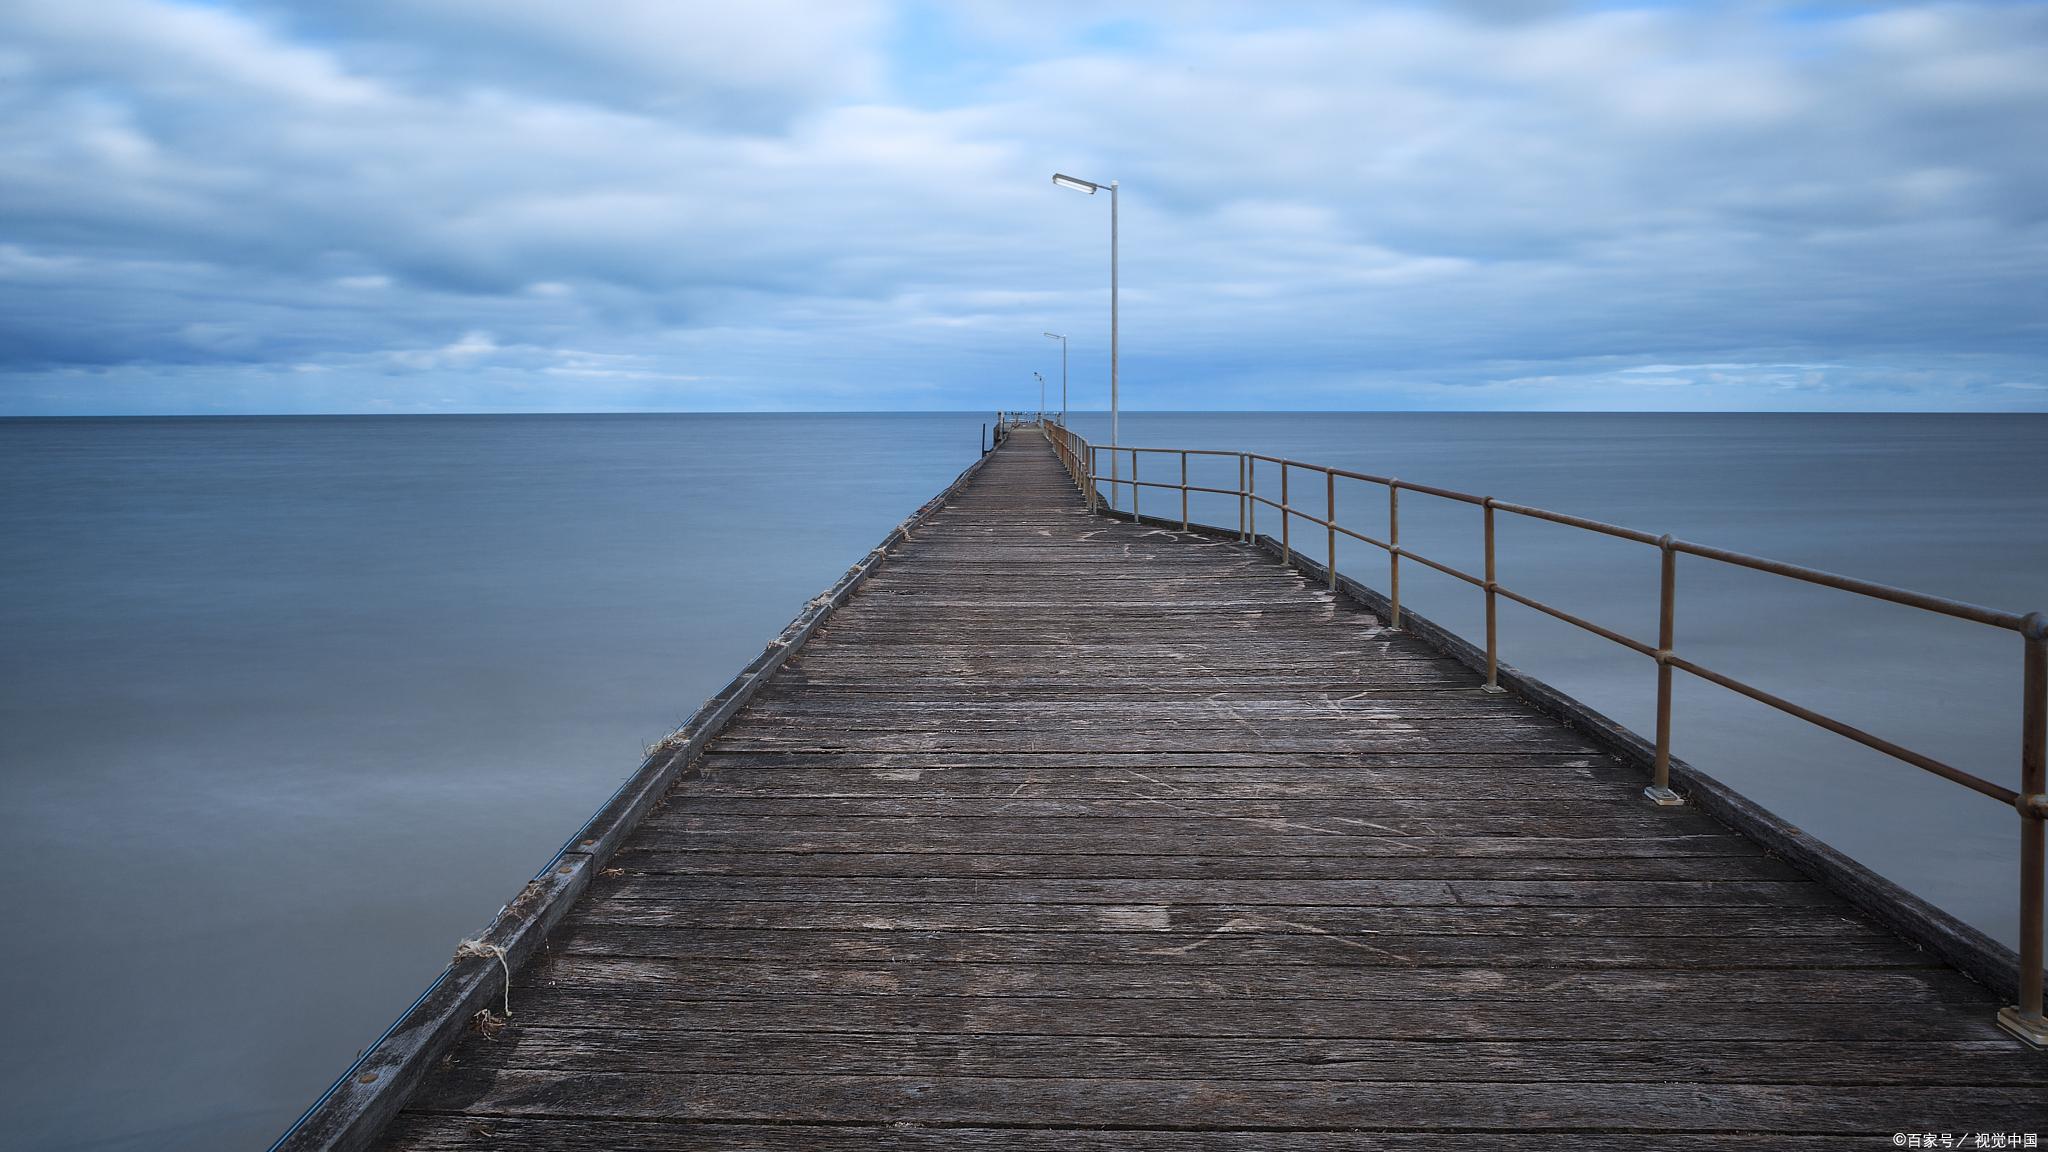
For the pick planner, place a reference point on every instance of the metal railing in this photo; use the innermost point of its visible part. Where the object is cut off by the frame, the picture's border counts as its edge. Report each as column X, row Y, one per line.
column 1082, row 461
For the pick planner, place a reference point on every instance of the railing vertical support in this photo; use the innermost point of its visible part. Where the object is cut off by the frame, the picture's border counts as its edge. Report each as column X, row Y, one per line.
column 1330, row 514
column 2024, row 1019
column 1183, row 490
column 1135, row 517
column 1659, row 790
column 1286, row 519
column 1492, row 596
column 1242, row 498
column 1094, row 504
column 1394, row 553
column 1252, row 501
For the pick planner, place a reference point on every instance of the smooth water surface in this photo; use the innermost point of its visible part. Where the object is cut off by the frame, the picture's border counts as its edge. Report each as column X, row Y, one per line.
column 288, row 706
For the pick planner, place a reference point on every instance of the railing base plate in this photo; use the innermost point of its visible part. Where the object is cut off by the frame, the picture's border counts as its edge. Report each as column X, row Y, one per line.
column 1664, row 797
column 2031, row 1029
column 1491, row 688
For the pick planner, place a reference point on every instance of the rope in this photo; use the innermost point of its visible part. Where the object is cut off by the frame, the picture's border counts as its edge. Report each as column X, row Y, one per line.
column 477, row 949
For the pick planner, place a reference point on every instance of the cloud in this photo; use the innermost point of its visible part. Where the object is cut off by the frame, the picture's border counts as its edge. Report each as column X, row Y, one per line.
column 177, row 52
column 788, row 204
column 469, row 348
column 752, row 65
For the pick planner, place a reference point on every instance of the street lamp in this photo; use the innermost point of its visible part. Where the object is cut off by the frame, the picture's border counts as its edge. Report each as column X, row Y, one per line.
column 1091, row 188
column 1063, row 374
column 1041, row 398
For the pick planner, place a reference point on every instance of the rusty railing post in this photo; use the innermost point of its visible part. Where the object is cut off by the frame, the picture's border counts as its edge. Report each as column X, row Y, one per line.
column 1183, row 489
column 1394, row 553
column 2024, row 1019
column 1286, row 518
column 1492, row 595
column 1659, row 790
column 1330, row 514
column 1242, row 498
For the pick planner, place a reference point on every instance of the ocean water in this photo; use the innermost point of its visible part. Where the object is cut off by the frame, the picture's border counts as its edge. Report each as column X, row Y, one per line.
column 288, row 706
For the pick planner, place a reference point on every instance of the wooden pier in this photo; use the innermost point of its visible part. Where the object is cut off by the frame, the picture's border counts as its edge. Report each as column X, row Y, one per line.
column 1065, row 832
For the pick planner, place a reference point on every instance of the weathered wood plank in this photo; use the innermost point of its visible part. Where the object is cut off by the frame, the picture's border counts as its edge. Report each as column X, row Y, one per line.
column 1080, row 741
column 1249, row 943
column 656, row 977
column 775, row 809
column 698, row 1052
column 1623, row 821
column 1197, row 1104
column 1155, row 839
column 1361, row 925
column 727, row 779
column 1505, row 761
column 635, row 861
column 930, row 890
column 1447, row 1021
column 460, row 1132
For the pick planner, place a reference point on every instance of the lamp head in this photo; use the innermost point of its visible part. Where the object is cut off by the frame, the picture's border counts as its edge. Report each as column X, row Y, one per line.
column 1076, row 183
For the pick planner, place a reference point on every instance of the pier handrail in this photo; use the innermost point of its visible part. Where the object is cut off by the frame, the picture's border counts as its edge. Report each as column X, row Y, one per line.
column 1081, row 458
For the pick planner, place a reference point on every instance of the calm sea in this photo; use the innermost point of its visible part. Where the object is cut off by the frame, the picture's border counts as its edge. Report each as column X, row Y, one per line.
column 288, row 706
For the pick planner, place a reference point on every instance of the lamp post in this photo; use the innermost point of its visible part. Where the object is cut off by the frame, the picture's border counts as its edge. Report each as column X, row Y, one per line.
column 1063, row 374
column 1091, row 188
column 1041, row 398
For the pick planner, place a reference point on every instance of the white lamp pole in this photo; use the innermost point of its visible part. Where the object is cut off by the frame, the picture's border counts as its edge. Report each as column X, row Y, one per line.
column 1041, row 396
column 1091, row 188
column 1063, row 374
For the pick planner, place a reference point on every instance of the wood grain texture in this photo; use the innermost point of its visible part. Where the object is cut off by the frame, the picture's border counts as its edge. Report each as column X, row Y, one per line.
column 1071, row 833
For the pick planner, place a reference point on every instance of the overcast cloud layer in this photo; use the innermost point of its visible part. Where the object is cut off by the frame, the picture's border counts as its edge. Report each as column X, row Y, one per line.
column 438, row 205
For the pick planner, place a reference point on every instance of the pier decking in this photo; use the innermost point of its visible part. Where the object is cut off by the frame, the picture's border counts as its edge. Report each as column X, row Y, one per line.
column 1072, row 833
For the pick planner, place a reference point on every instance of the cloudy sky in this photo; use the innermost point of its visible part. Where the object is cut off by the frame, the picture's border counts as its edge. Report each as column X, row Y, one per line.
column 432, row 205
